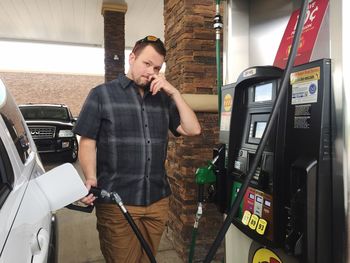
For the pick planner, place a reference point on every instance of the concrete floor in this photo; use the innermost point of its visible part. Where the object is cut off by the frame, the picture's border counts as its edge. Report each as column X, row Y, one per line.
column 78, row 239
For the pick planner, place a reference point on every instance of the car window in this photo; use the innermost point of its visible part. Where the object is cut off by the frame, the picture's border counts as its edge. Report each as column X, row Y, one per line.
column 6, row 174
column 45, row 113
column 16, row 128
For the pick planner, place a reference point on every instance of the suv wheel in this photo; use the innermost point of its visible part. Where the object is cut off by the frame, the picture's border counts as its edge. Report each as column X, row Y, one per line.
column 74, row 153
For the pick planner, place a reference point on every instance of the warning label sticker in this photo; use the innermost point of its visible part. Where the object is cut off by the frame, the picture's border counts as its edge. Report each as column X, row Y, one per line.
column 226, row 113
column 304, row 92
column 302, row 110
column 302, row 122
column 225, row 121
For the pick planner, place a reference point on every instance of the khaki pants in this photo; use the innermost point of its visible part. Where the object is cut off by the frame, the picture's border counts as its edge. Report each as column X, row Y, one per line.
column 118, row 242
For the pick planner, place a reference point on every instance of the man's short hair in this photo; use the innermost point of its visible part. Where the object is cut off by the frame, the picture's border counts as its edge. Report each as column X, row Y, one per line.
column 153, row 41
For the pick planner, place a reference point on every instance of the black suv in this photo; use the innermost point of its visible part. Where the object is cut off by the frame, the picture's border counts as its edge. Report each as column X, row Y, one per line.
column 51, row 128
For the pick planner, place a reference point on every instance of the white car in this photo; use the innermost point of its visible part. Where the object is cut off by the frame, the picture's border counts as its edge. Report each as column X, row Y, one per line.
column 28, row 195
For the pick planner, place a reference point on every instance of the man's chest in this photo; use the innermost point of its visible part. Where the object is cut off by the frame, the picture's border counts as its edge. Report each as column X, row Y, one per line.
column 128, row 115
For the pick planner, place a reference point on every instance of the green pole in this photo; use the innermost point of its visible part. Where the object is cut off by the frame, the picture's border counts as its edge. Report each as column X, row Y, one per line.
column 218, row 27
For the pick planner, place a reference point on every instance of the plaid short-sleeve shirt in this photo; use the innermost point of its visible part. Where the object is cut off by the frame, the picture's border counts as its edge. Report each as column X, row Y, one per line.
column 131, row 135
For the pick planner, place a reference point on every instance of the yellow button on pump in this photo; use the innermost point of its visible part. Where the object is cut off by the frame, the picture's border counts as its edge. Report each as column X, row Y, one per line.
column 262, row 224
column 246, row 217
column 253, row 222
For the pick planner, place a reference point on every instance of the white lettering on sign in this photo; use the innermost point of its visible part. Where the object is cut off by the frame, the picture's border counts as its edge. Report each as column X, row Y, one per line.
column 249, row 72
column 310, row 15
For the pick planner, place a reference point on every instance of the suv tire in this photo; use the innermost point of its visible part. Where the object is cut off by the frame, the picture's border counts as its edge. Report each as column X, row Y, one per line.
column 74, row 153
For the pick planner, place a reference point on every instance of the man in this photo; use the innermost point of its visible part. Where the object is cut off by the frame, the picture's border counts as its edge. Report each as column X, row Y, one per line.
column 124, row 134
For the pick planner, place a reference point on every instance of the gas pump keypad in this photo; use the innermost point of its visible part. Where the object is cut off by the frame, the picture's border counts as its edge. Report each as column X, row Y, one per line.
column 254, row 222
column 257, row 207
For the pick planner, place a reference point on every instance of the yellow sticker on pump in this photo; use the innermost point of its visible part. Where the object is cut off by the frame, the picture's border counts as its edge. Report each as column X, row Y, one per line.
column 228, row 102
column 305, row 75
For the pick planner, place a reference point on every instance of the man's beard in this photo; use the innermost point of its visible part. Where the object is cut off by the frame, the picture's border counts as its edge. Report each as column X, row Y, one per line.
column 139, row 82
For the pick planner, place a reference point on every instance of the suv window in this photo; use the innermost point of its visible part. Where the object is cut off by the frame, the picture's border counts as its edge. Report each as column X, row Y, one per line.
column 6, row 174
column 47, row 113
column 14, row 123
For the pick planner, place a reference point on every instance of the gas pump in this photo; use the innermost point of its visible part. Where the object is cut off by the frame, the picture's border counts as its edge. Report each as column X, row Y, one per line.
column 255, row 92
column 286, row 203
column 276, row 187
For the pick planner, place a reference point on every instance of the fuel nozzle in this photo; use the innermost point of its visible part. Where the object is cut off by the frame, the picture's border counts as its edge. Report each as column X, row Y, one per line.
column 98, row 192
column 205, row 175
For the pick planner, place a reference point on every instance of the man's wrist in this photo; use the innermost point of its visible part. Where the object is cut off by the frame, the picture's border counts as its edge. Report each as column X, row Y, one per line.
column 90, row 179
column 175, row 93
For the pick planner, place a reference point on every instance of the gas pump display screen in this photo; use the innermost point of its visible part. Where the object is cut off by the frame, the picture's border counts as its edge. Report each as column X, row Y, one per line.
column 263, row 92
column 259, row 129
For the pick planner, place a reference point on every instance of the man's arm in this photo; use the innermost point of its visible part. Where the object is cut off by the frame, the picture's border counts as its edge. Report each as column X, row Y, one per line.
column 189, row 124
column 87, row 160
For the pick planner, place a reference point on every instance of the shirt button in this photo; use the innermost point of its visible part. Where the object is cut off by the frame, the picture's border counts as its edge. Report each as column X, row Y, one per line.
column 146, row 125
column 143, row 109
column 148, row 141
column 147, row 176
column 148, row 159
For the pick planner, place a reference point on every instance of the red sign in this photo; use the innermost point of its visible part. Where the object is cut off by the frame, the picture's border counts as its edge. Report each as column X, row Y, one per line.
column 312, row 23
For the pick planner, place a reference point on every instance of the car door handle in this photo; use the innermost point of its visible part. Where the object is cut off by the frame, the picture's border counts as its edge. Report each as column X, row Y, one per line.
column 39, row 245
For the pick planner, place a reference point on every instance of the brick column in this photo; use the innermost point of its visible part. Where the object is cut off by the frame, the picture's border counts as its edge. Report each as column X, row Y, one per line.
column 190, row 43
column 114, row 39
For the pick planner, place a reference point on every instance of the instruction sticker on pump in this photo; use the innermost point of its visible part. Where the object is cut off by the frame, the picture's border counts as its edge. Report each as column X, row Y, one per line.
column 305, row 86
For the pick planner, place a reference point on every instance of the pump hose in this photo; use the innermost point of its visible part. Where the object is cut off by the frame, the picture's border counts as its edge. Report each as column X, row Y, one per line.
column 193, row 244
column 195, row 229
column 282, row 92
column 140, row 237
column 134, row 227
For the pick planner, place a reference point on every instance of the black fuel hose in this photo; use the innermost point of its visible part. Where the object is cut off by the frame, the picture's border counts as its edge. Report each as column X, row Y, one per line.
column 139, row 236
column 101, row 193
column 134, row 227
column 274, row 113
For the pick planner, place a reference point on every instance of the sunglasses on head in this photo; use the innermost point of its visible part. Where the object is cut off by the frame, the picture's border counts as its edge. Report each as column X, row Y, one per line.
column 149, row 39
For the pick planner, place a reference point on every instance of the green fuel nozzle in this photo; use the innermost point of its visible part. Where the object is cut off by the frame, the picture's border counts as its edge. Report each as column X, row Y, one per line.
column 205, row 175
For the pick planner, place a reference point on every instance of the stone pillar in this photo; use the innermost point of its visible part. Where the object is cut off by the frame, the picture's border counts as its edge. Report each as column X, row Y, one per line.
column 191, row 67
column 114, row 39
